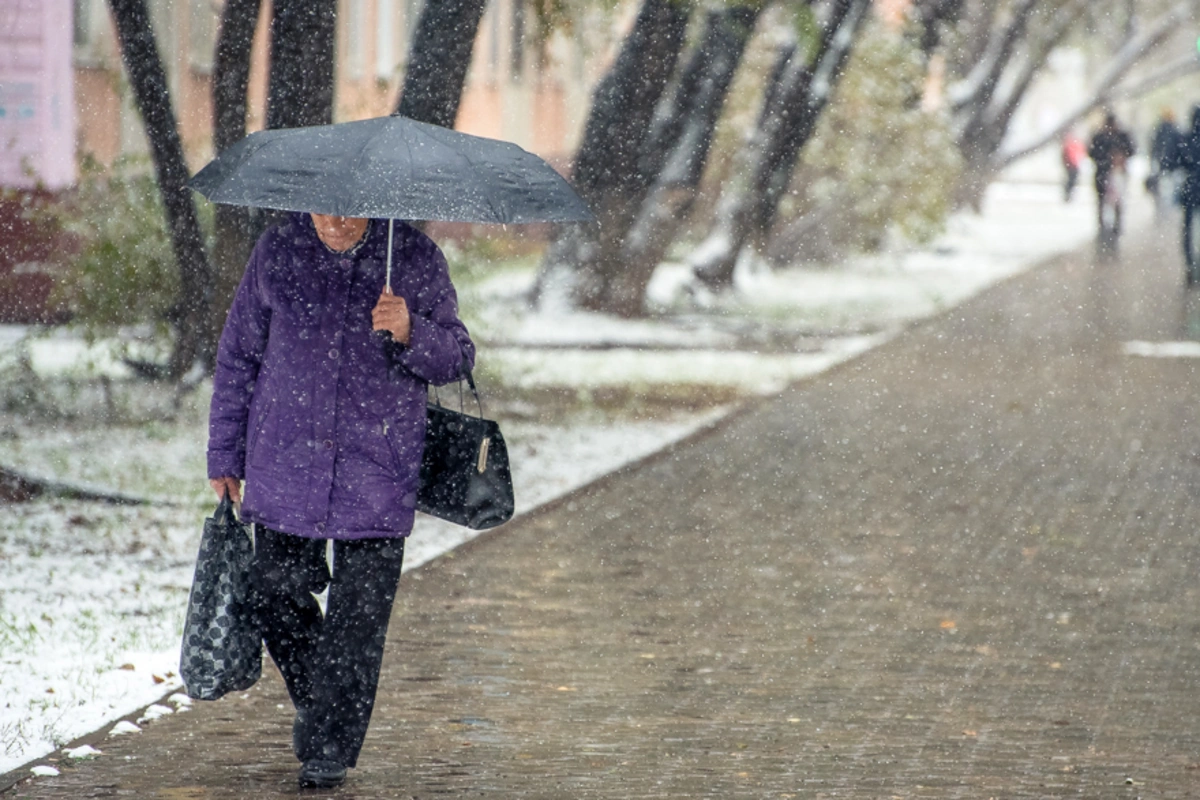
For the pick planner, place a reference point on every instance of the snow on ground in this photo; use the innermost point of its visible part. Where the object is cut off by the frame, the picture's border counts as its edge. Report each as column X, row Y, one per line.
column 1187, row 349
column 93, row 594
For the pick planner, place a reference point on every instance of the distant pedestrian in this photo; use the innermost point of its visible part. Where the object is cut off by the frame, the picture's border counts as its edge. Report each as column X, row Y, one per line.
column 324, row 419
column 1073, row 152
column 1164, row 161
column 1189, row 196
column 1110, row 149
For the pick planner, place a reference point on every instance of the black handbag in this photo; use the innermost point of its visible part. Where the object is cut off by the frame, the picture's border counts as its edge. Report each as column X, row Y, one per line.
column 465, row 476
column 222, row 646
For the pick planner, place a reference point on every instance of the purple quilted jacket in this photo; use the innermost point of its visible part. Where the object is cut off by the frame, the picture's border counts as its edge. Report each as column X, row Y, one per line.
column 323, row 417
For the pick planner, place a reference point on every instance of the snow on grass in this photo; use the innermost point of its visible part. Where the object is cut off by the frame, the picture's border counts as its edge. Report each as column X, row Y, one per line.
column 89, row 616
column 93, row 597
column 753, row 373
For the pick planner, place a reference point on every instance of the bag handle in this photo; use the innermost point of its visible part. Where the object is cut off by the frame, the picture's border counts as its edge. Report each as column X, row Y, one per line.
column 464, row 374
column 225, row 512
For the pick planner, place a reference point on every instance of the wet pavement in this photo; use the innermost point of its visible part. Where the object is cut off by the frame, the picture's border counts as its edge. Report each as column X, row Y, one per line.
column 962, row 566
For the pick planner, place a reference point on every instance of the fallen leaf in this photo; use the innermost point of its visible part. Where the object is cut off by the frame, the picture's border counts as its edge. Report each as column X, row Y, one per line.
column 970, row 734
column 128, row 667
column 948, row 625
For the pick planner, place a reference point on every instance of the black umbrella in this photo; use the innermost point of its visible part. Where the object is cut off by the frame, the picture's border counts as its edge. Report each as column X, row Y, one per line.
column 390, row 168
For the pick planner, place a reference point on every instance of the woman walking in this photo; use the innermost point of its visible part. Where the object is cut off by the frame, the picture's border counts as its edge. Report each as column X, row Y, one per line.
column 1189, row 197
column 323, row 417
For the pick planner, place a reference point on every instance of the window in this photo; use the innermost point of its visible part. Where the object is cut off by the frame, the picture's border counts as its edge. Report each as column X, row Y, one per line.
column 518, row 39
column 412, row 14
column 82, row 23
column 89, row 20
column 355, row 38
column 387, row 36
column 202, row 35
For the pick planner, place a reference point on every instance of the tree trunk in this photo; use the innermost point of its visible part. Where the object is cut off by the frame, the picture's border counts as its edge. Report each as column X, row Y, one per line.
column 677, row 153
column 149, row 83
column 300, row 87
column 301, row 81
column 793, row 104
column 606, row 171
column 438, row 63
column 234, row 229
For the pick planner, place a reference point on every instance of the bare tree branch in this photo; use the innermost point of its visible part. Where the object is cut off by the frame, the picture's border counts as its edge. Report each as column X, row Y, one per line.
column 1105, row 88
column 1165, row 74
column 1001, row 111
column 978, row 87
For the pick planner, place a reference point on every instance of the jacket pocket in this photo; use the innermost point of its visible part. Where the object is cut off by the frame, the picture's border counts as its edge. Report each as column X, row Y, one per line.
column 255, row 432
column 405, row 444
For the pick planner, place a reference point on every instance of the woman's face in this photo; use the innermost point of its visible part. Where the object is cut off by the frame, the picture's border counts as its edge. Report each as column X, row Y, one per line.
column 339, row 233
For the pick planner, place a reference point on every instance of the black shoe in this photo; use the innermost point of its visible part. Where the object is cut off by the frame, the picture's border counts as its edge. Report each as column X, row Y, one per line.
column 321, row 774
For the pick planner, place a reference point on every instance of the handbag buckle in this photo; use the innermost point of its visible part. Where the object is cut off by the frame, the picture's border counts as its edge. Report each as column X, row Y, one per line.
column 481, row 463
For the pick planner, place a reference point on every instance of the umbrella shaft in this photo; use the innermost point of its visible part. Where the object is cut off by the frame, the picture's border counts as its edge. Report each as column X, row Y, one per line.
column 391, row 231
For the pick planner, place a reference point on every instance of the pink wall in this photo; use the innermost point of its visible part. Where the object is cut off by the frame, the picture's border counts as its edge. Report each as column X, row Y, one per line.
column 37, row 106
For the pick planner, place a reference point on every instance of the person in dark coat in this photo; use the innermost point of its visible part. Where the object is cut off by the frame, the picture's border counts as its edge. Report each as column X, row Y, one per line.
column 1164, row 146
column 1189, row 193
column 1110, row 148
column 1164, row 161
column 324, row 419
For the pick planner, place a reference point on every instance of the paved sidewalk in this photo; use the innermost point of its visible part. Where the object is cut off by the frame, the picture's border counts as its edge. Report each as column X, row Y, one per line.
column 961, row 566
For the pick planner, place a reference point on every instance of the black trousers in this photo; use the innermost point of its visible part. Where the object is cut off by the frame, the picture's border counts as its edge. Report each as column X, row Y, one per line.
column 1189, row 251
column 329, row 662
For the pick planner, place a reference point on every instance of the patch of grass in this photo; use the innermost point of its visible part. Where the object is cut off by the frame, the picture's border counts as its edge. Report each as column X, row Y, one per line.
column 15, row 635
column 638, row 402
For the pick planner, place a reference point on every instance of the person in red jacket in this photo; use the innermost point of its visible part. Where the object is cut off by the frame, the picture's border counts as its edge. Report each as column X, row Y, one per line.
column 1073, row 153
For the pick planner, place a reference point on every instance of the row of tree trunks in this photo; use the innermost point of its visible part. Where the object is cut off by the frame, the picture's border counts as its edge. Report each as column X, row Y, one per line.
column 148, row 80
column 678, row 152
column 607, row 171
column 799, row 92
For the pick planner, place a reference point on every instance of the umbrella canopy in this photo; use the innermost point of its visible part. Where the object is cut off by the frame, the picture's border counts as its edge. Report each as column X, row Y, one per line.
column 390, row 168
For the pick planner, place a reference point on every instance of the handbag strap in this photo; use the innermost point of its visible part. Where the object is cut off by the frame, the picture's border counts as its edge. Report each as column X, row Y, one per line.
column 464, row 374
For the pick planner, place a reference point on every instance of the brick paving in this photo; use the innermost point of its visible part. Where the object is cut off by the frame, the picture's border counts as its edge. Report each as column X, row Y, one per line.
column 961, row 566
